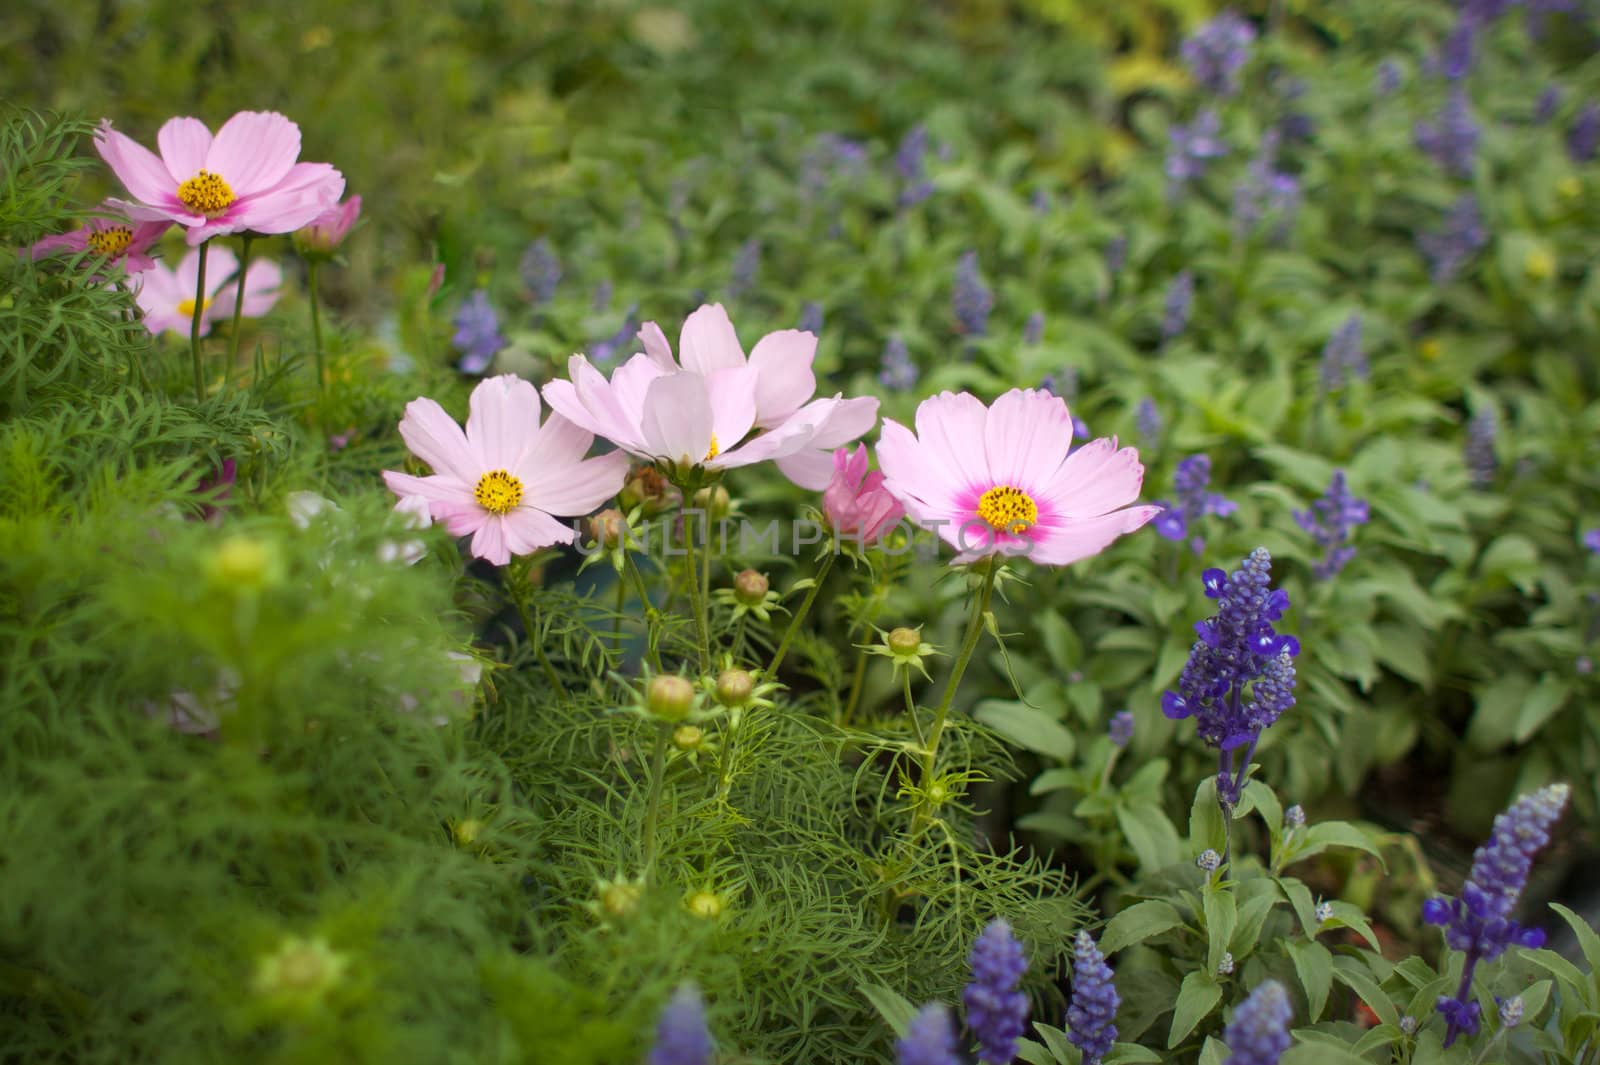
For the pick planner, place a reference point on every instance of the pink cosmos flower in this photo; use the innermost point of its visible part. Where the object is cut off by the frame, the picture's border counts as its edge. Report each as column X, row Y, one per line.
column 856, row 502
column 328, row 230
column 167, row 296
column 112, row 235
column 1000, row 479
column 244, row 178
column 507, row 478
column 699, row 412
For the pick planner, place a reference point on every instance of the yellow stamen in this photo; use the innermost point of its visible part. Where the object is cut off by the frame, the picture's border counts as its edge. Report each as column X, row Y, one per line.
column 206, row 193
column 1008, row 509
column 498, row 492
column 111, row 241
column 186, row 308
column 714, row 449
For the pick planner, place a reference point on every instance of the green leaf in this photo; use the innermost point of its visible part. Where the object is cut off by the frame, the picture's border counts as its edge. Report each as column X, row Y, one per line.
column 1055, row 1041
column 1221, row 915
column 1354, row 975
column 1028, row 728
column 1138, row 923
column 1313, row 963
column 1215, row 1052
column 1562, row 969
column 1253, row 914
column 1305, row 907
column 1197, row 997
column 1206, row 828
column 1320, row 1052
column 1324, row 834
column 1261, row 798
column 1152, row 837
column 1588, row 940
column 1547, row 697
column 1499, row 708
column 1055, row 780
column 1131, row 1054
column 891, row 1006
column 1034, row 1054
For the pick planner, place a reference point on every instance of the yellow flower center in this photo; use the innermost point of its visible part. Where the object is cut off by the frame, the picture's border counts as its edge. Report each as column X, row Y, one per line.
column 186, row 307
column 498, row 492
column 1008, row 509
column 111, row 241
column 206, row 193
column 714, row 449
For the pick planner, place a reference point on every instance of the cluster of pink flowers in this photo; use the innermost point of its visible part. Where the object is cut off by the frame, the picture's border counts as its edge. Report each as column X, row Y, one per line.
column 988, row 480
column 247, row 178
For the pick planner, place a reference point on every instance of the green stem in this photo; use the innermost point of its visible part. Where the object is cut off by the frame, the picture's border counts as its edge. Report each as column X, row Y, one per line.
column 911, row 706
column 194, row 324
column 622, row 599
column 856, row 680
column 316, row 322
column 238, row 310
column 519, row 596
column 800, row 615
column 652, row 810
column 697, row 602
column 650, row 637
column 930, row 752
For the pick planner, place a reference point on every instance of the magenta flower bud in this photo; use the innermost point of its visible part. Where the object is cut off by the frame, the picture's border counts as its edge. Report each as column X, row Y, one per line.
column 856, row 502
column 328, row 230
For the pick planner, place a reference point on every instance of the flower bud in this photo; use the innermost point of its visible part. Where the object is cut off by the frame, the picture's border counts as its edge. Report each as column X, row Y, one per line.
column 750, row 588
column 1539, row 264
column 669, row 697
column 1294, row 816
column 466, row 832
column 609, row 528
column 302, row 970
column 903, row 641
column 243, row 562
column 707, row 904
column 734, row 687
column 620, row 898
column 714, row 501
column 647, row 489
column 687, row 737
column 1209, row 860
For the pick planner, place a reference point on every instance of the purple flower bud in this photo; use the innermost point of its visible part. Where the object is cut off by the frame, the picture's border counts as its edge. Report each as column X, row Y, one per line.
column 1177, row 305
column 1584, row 136
column 1190, row 148
column 1482, row 463
column 897, row 373
column 910, row 162
column 997, row 1013
column 1330, row 521
column 810, row 318
column 1033, row 328
column 1147, row 422
column 1343, row 357
column 1121, row 728
column 681, row 1034
column 1217, row 51
column 972, row 299
column 541, row 271
column 1193, row 499
column 1451, row 138
column 745, row 267
column 1259, row 1031
column 930, row 1039
column 1461, row 237
column 1092, row 1013
column 477, row 334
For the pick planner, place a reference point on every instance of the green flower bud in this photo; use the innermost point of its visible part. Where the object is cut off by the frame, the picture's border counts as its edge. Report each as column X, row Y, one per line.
column 734, row 687
column 669, row 697
column 714, row 501
column 750, row 588
column 904, row 642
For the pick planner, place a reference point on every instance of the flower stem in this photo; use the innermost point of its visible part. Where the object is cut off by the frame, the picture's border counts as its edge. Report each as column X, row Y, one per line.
column 650, row 636
column 930, row 751
column 316, row 322
column 856, row 680
column 800, row 614
column 238, row 310
column 194, row 323
column 519, row 596
column 697, row 602
column 652, row 810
